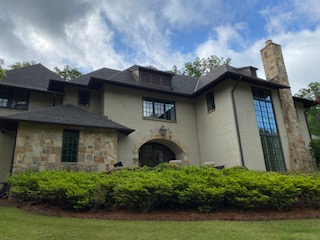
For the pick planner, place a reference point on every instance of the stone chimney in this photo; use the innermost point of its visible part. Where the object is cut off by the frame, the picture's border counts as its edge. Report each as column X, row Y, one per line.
column 275, row 70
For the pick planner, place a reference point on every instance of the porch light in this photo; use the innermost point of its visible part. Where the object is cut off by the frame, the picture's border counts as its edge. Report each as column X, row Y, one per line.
column 163, row 131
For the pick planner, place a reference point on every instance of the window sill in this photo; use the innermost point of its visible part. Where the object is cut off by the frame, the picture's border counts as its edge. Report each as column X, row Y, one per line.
column 213, row 110
column 84, row 105
column 69, row 163
column 159, row 120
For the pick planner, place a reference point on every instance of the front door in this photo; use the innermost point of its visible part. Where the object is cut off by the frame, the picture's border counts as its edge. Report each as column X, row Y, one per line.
column 151, row 154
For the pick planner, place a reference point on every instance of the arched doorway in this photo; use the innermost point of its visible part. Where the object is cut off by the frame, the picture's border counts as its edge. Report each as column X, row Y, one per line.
column 152, row 153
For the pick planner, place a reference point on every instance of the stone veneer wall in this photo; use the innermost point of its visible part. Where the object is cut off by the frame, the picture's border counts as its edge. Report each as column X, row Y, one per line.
column 300, row 157
column 38, row 147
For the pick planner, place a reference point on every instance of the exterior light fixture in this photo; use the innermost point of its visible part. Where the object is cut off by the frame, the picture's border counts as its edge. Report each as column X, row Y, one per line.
column 163, row 131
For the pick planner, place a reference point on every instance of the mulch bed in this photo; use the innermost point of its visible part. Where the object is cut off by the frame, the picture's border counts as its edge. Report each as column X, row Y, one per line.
column 164, row 215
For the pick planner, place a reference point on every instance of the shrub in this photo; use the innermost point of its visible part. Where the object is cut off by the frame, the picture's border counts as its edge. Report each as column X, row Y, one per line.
column 144, row 189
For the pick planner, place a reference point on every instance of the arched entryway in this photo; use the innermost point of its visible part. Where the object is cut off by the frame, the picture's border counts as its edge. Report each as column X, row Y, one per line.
column 153, row 153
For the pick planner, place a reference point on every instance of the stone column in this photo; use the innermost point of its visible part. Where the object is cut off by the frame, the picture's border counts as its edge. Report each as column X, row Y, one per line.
column 275, row 70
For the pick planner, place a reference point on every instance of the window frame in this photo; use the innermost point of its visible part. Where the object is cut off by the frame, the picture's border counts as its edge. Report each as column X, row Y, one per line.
column 10, row 98
column 160, row 105
column 84, row 95
column 74, row 155
column 211, row 106
column 274, row 160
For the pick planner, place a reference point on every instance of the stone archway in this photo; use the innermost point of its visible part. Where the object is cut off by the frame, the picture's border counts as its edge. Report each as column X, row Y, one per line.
column 152, row 153
column 168, row 140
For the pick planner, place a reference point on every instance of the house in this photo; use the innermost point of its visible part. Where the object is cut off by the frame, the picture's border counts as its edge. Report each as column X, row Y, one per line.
column 143, row 116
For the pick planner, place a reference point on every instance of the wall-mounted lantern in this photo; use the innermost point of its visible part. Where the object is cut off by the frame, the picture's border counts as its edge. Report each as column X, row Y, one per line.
column 162, row 131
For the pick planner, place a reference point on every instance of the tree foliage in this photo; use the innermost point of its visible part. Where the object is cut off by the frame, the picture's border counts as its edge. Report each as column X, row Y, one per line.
column 67, row 73
column 22, row 64
column 313, row 114
column 200, row 67
column 2, row 70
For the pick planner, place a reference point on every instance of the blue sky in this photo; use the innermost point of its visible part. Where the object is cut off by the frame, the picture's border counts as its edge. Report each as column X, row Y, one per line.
column 91, row 34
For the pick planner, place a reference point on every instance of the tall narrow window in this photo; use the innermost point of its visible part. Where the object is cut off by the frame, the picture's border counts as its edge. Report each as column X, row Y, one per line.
column 70, row 144
column 159, row 109
column 267, row 125
column 84, row 98
column 210, row 101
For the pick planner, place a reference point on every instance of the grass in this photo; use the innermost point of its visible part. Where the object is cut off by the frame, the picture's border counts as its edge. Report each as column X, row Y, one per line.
column 18, row 224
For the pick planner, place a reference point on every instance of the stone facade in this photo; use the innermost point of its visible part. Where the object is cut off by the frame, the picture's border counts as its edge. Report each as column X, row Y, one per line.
column 300, row 157
column 39, row 146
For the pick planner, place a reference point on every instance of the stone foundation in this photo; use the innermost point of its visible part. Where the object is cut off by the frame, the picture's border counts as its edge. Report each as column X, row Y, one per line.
column 39, row 147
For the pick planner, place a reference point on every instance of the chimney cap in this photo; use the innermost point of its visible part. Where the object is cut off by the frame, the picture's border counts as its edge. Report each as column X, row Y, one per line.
column 268, row 42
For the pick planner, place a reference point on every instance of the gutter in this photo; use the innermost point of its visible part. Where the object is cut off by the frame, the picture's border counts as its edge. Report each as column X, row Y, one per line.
column 236, row 120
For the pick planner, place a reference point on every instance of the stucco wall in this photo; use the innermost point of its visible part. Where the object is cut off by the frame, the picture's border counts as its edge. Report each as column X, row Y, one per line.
column 124, row 106
column 216, row 130
column 249, row 133
column 38, row 147
column 71, row 97
column 303, row 123
column 40, row 100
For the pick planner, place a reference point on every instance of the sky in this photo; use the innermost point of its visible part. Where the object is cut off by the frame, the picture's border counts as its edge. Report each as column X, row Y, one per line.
column 91, row 34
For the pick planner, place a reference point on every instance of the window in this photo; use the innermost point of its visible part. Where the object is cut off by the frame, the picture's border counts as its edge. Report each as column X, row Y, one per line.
column 14, row 98
column 84, row 98
column 70, row 143
column 159, row 109
column 267, row 126
column 210, row 101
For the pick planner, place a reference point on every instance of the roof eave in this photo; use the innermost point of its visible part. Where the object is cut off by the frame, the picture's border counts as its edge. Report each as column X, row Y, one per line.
column 141, row 87
column 125, row 131
column 306, row 102
column 239, row 77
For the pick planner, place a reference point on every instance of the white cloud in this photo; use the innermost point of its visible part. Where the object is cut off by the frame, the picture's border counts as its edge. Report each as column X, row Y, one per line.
column 310, row 9
column 94, row 34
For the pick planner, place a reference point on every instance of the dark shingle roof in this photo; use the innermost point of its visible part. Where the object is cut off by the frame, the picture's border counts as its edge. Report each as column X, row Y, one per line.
column 103, row 73
column 181, row 85
column 307, row 103
column 68, row 115
column 219, row 74
column 35, row 77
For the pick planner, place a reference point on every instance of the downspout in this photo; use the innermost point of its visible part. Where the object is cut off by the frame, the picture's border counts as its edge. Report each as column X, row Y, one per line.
column 236, row 120
column 306, row 118
column 54, row 99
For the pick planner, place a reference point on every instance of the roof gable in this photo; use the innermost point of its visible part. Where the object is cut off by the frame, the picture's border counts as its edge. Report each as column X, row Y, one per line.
column 34, row 77
column 103, row 73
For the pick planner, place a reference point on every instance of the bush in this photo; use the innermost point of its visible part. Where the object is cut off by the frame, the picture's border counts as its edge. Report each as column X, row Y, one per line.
column 144, row 189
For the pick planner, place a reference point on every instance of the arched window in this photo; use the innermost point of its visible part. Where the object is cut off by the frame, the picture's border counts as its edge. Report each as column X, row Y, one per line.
column 151, row 154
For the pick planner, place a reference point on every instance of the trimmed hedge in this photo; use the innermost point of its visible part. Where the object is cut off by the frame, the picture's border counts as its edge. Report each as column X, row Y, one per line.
column 144, row 189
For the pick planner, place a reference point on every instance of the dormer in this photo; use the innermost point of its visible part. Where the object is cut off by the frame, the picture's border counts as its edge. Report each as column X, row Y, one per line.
column 249, row 70
column 152, row 77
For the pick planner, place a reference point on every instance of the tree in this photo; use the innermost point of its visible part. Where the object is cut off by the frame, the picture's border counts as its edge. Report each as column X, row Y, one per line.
column 313, row 114
column 67, row 73
column 2, row 70
column 200, row 67
column 22, row 64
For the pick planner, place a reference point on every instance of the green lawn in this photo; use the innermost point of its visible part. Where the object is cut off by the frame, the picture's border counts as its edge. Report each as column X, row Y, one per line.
column 18, row 224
